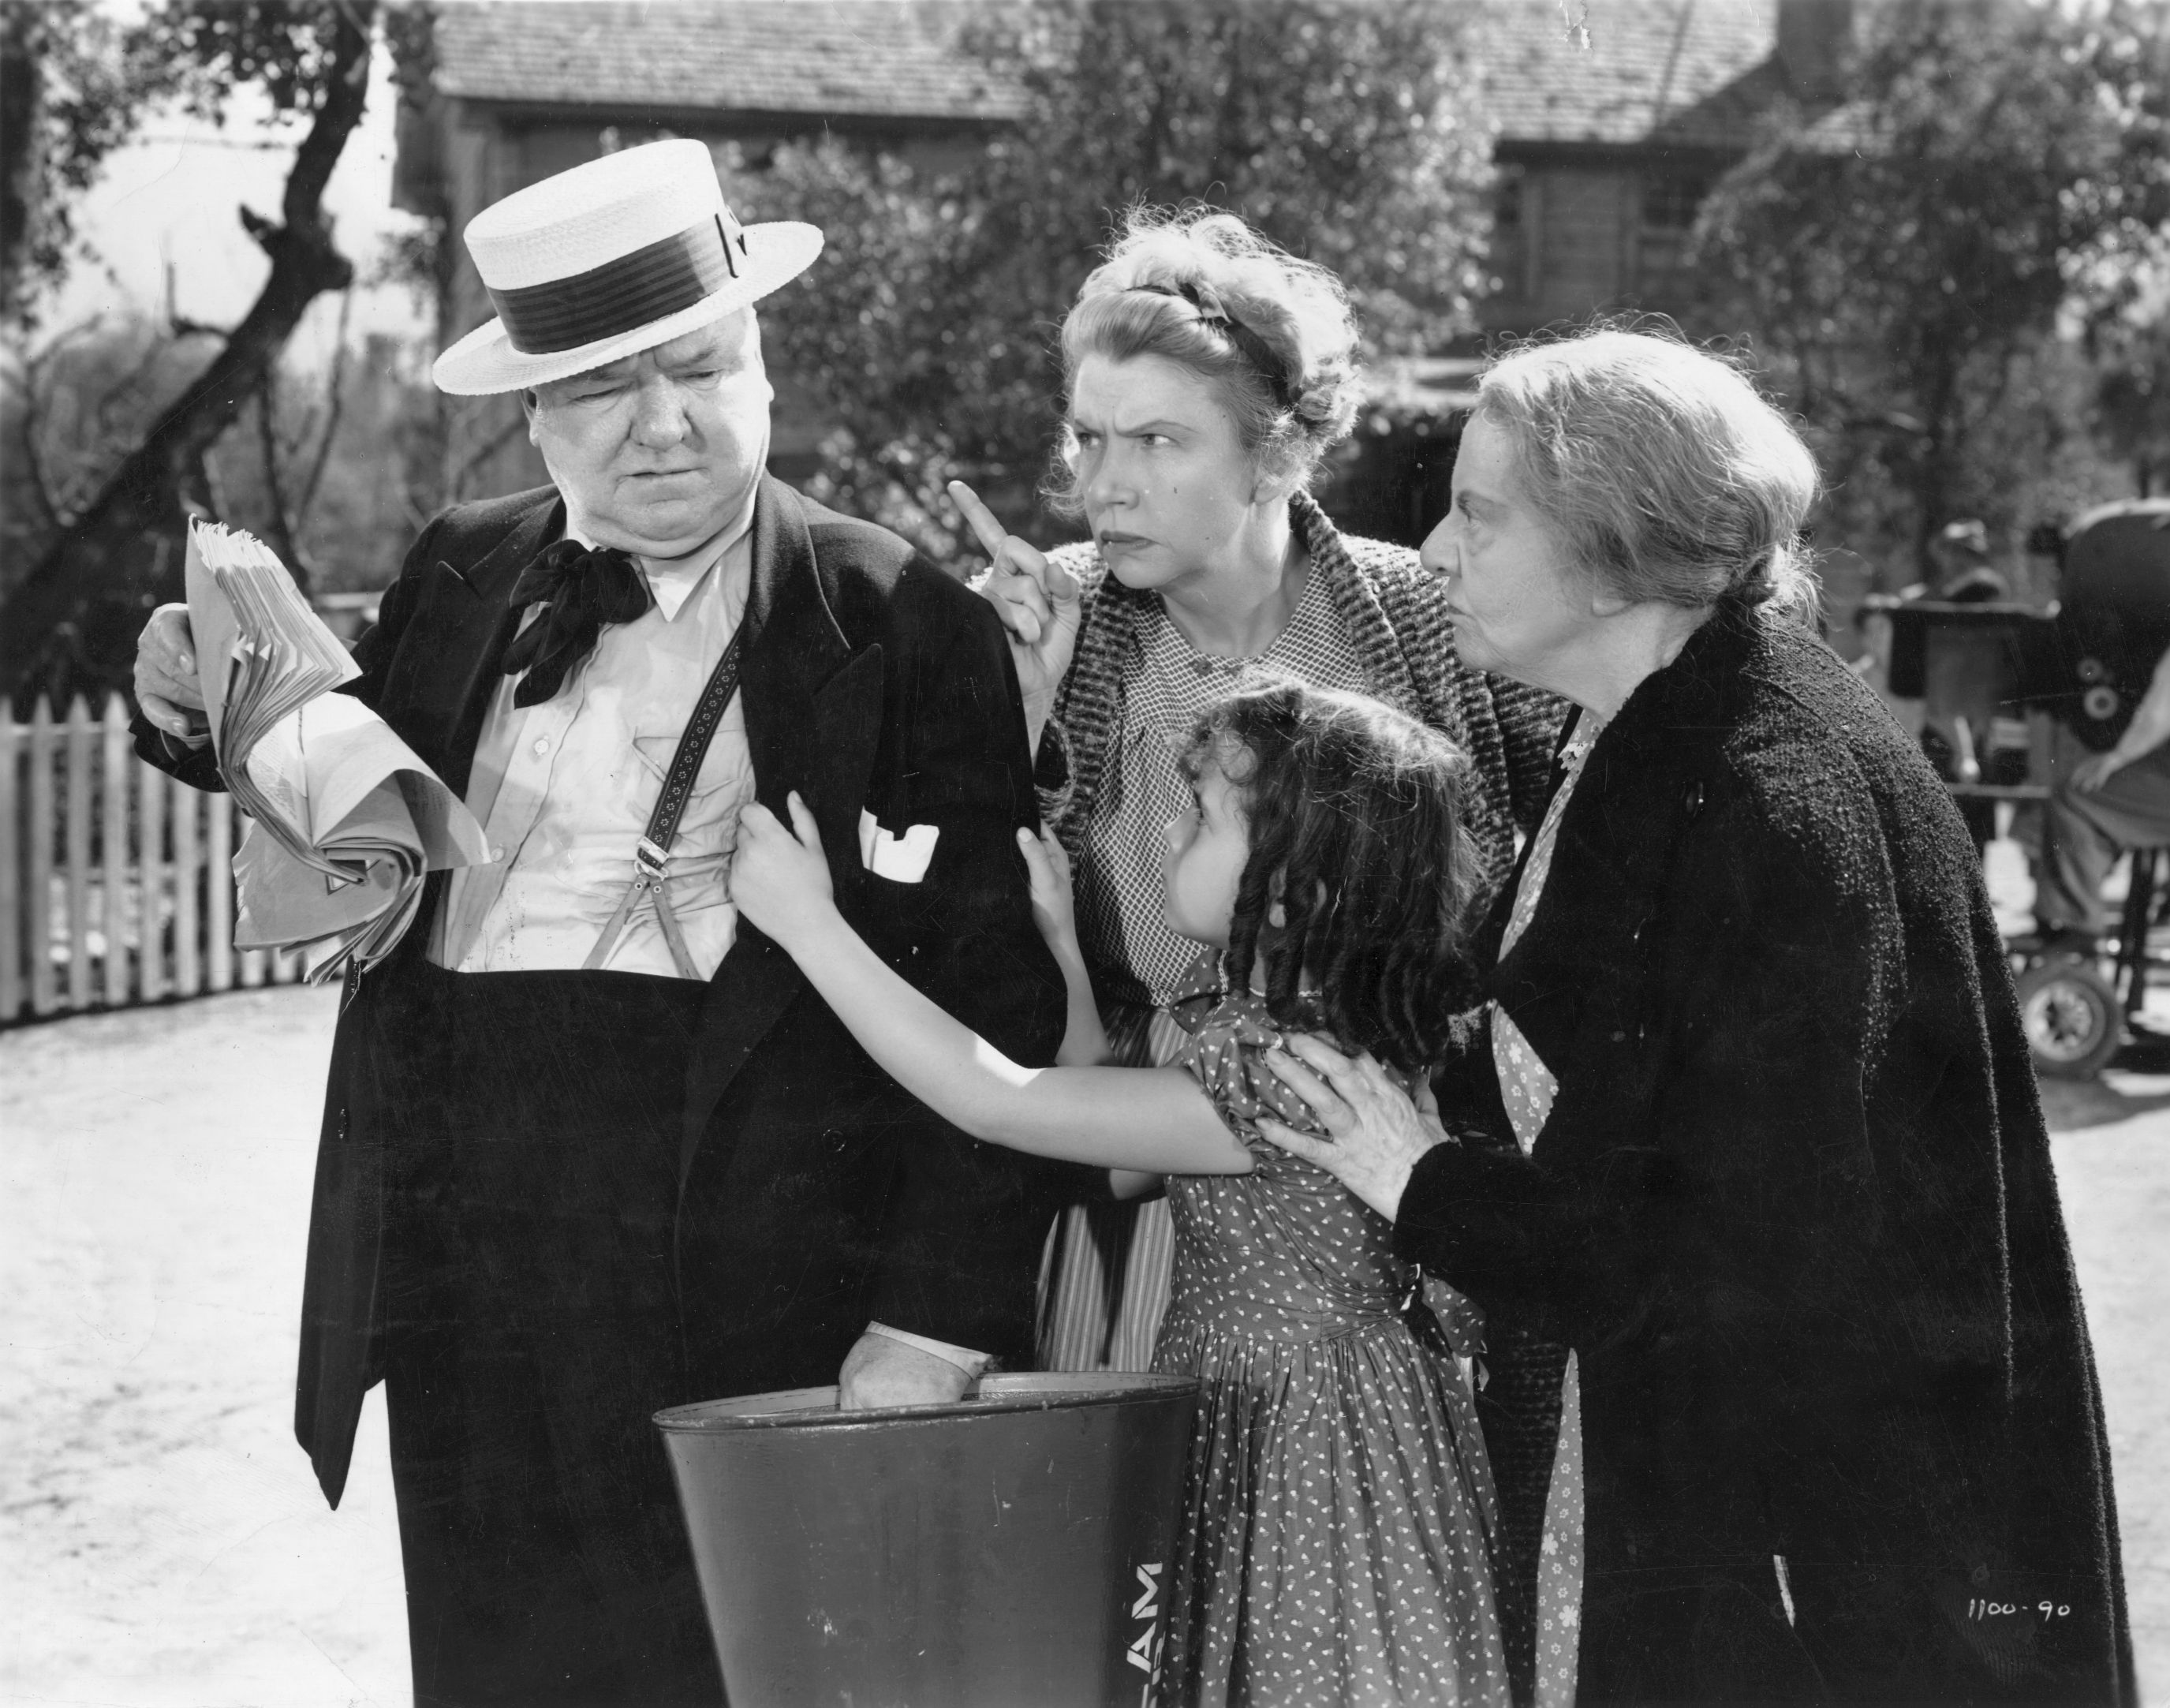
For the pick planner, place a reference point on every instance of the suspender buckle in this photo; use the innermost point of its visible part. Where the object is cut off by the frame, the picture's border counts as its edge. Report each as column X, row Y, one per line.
column 651, row 854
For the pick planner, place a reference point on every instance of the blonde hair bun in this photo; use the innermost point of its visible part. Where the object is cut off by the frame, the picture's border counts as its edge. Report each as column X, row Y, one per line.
column 1274, row 333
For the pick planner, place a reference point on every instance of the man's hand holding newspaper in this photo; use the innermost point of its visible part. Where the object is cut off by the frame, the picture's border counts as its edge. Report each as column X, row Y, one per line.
column 346, row 820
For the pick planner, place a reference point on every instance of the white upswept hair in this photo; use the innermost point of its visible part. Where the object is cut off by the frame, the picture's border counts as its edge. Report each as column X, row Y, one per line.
column 1662, row 468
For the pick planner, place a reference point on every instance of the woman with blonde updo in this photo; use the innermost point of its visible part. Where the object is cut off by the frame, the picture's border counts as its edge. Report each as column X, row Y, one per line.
column 1208, row 375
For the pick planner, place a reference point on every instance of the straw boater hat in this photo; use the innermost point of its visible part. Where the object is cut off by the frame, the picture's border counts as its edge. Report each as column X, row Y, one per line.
column 613, row 257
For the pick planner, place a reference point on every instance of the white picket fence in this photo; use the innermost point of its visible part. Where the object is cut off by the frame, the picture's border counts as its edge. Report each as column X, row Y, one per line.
column 116, row 881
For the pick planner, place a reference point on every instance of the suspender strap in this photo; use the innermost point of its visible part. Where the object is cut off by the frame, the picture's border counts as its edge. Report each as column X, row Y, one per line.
column 693, row 746
column 651, row 857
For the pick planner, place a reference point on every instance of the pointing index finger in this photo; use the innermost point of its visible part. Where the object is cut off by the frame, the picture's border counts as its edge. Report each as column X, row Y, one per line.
column 990, row 532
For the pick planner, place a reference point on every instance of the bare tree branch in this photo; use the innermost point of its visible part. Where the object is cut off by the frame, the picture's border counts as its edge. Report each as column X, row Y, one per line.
column 102, row 573
column 482, row 453
column 282, row 524
column 178, row 324
column 34, row 365
column 333, row 407
column 26, row 429
column 103, row 411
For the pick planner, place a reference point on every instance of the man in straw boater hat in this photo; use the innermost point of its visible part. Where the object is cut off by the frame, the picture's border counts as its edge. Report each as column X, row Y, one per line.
column 591, row 1147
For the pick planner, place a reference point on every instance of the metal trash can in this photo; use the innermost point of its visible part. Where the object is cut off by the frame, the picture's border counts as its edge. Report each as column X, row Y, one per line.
column 1012, row 1549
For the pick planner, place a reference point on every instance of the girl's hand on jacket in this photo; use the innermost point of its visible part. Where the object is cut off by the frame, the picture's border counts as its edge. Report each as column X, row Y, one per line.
column 780, row 879
column 1047, row 868
column 1378, row 1134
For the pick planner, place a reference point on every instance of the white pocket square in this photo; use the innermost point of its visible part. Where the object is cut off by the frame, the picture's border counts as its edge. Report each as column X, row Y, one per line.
column 902, row 859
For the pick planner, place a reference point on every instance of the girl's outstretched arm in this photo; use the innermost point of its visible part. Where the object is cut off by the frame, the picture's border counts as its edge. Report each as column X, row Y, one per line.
column 1085, row 1037
column 1047, row 865
column 1150, row 1118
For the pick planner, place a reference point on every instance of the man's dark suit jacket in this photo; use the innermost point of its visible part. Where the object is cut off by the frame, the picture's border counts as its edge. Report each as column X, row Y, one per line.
column 815, row 1194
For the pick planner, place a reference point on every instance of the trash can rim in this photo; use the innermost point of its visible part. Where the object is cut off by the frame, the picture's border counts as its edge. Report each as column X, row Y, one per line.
column 814, row 1408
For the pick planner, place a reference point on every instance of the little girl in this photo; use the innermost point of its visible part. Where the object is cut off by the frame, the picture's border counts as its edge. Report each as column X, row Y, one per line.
column 1332, row 1547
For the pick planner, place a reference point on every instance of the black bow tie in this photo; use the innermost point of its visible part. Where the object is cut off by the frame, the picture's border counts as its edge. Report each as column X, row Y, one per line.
column 582, row 589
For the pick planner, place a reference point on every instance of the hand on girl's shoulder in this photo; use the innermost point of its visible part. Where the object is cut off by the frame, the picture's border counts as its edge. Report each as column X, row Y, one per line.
column 1226, row 1055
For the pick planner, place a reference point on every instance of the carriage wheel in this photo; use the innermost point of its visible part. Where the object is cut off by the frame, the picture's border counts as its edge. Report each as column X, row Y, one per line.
column 2070, row 1017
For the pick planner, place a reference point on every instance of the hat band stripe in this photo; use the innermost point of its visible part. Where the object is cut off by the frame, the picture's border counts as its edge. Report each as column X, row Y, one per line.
column 620, row 296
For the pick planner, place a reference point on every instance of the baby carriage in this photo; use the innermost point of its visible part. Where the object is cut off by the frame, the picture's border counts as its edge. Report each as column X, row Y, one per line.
column 2082, row 663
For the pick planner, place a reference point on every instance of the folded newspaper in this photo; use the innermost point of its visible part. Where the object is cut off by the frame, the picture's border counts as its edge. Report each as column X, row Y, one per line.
column 345, row 819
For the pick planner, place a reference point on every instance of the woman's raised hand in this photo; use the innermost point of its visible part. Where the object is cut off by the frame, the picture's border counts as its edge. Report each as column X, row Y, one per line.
column 1378, row 1133
column 780, row 880
column 1038, row 602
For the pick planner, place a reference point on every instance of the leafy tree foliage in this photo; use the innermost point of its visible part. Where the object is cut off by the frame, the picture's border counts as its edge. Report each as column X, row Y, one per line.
column 352, row 471
column 1344, row 131
column 69, row 623
column 77, row 406
column 1909, row 263
column 2132, row 392
column 69, row 94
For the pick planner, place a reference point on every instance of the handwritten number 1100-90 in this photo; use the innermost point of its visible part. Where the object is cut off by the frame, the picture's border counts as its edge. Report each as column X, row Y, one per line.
column 1978, row 1609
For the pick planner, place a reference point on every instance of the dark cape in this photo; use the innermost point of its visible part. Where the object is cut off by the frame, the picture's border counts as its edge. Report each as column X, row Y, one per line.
column 1794, row 1209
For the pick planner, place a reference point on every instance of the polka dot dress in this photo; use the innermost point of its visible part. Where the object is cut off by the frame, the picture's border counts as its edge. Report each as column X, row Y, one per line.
column 1527, row 1087
column 1338, row 1500
column 1099, row 1319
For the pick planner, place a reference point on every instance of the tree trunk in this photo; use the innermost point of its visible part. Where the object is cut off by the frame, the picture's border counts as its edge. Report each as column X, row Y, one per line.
column 70, row 627
column 22, row 98
column 280, row 528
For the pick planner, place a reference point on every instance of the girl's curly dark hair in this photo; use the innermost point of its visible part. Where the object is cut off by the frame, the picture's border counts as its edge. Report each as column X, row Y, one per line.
column 1355, row 816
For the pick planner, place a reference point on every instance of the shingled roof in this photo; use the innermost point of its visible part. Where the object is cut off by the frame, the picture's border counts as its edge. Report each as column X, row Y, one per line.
column 1686, row 72
column 887, row 58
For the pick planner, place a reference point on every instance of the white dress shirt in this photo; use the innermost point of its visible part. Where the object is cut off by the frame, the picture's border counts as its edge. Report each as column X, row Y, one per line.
column 563, row 790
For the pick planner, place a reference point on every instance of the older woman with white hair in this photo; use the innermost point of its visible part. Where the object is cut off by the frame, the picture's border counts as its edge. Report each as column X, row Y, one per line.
column 1766, row 1155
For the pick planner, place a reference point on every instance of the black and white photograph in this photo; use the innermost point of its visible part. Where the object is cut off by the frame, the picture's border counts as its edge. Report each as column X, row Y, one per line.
column 1084, row 853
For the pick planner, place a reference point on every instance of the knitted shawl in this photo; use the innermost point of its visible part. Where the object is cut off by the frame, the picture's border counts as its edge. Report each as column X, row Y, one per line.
column 1394, row 613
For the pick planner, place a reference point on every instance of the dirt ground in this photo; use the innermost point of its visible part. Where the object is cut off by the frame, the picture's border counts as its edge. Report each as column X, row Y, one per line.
column 162, row 1544
column 165, row 1540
